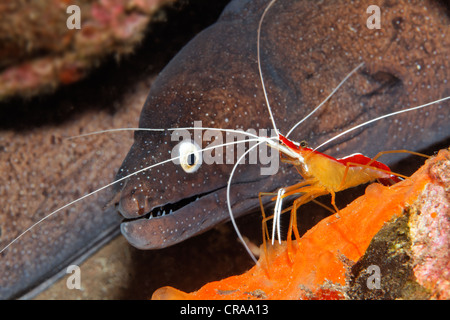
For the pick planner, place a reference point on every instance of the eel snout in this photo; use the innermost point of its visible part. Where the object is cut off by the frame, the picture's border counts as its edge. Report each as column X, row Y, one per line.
column 164, row 225
column 134, row 203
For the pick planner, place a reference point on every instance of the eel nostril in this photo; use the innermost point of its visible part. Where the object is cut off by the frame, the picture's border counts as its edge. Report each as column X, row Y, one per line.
column 133, row 204
column 140, row 200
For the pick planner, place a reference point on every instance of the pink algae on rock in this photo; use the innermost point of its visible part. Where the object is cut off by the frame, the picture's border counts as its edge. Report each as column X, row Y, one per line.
column 37, row 57
column 430, row 233
column 322, row 267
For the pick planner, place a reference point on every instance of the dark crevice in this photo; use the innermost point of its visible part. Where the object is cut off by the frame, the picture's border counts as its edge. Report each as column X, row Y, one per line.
column 388, row 83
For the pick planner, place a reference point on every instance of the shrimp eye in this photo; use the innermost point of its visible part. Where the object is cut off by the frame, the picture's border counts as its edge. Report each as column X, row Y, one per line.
column 303, row 144
column 188, row 155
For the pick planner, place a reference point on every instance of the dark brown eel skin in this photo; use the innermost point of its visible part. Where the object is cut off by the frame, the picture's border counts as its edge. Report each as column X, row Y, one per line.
column 307, row 49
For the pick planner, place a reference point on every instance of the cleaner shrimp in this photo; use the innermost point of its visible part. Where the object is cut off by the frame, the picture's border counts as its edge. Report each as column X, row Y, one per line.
column 322, row 174
column 278, row 142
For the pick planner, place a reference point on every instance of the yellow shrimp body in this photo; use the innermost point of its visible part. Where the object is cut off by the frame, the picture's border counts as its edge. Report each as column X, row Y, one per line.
column 332, row 174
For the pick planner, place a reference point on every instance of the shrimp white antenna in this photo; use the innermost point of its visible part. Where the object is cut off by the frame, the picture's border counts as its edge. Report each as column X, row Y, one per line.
column 326, row 99
column 258, row 51
column 258, row 54
column 114, row 130
column 259, row 66
column 77, row 200
column 277, row 216
column 230, row 211
column 162, row 130
column 258, row 139
column 381, row 117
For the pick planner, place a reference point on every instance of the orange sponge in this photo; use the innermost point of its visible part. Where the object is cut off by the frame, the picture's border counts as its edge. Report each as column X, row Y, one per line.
column 324, row 254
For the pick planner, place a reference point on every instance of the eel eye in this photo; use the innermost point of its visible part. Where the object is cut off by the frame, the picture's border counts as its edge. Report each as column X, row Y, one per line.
column 188, row 155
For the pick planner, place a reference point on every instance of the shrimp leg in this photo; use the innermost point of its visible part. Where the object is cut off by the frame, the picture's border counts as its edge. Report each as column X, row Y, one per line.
column 309, row 193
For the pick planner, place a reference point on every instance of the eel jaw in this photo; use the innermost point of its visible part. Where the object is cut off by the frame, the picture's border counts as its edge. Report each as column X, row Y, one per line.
column 169, row 224
column 198, row 215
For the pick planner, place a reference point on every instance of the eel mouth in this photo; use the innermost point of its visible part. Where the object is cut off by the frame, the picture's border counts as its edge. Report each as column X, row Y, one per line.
column 174, row 222
column 170, row 208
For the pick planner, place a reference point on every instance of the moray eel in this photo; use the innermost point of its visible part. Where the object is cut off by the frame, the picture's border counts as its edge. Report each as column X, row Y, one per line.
column 307, row 48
